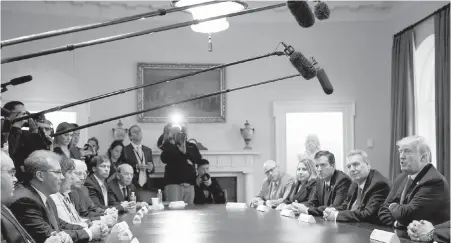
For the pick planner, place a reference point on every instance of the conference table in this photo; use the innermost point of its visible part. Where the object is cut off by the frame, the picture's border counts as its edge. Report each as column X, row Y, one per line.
column 217, row 224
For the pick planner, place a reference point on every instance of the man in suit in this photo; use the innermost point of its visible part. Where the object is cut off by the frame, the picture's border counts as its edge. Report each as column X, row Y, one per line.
column 12, row 230
column 207, row 189
column 424, row 231
column 34, row 208
column 140, row 158
column 96, row 182
column 275, row 188
column 331, row 189
column 366, row 194
column 420, row 192
column 120, row 189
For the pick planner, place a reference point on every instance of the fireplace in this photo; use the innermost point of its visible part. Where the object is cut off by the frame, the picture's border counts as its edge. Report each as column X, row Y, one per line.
column 232, row 169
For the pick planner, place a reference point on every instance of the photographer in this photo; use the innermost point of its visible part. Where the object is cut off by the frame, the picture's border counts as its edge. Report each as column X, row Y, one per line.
column 180, row 157
column 208, row 190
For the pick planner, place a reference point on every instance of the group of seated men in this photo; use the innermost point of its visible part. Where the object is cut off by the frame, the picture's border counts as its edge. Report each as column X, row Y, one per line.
column 418, row 200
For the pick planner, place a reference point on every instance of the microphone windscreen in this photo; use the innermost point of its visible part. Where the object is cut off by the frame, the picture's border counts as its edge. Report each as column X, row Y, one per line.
column 303, row 65
column 322, row 11
column 324, row 81
column 302, row 13
column 21, row 80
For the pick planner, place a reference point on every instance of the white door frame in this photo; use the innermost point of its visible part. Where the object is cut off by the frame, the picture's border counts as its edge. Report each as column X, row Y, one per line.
column 82, row 111
column 281, row 108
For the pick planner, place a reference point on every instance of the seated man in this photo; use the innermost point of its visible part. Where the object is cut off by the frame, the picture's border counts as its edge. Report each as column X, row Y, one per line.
column 275, row 188
column 420, row 193
column 207, row 190
column 366, row 194
column 96, row 182
column 120, row 189
column 424, row 231
column 34, row 208
column 331, row 189
column 12, row 230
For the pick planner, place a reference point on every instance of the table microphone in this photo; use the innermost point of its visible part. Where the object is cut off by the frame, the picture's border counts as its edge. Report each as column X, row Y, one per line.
column 322, row 11
column 300, row 62
column 302, row 13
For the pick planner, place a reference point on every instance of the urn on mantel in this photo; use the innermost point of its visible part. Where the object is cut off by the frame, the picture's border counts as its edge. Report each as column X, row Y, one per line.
column 247, row 133
column 119, row 133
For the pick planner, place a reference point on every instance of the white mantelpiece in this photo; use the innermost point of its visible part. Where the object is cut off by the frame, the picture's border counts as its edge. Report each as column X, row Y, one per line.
column 225, row 164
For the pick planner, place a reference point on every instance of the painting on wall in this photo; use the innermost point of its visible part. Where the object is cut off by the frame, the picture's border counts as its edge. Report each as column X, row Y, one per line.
column 206, row 110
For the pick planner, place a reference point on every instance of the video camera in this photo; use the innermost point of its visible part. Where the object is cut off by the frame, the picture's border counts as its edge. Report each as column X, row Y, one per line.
column 175, row 132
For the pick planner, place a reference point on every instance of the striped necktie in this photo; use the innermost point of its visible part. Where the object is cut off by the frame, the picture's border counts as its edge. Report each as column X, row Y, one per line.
column 19, row 227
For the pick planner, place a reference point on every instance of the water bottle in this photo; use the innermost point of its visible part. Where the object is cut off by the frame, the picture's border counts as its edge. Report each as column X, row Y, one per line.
column 133, row 199
column 160, row 196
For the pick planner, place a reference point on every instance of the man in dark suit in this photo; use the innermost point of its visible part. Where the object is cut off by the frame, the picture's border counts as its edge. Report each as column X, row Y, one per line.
column 140, row 158
column 420, row 192
column 96, row 182
column 331, row 189
column 34, row 208
column 207, row 189
column 424, row 231
column 120, row 189
column 366, row 194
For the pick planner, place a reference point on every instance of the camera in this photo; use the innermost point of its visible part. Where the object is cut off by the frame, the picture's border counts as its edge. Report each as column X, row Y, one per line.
column 38, row 119
column 175, row 132
column 205, row 177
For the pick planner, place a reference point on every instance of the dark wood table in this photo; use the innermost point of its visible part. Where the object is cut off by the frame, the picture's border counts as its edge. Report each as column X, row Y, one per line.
column 216, row 224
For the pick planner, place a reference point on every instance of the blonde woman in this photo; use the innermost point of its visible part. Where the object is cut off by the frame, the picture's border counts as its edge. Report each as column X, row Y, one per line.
column 304, row 187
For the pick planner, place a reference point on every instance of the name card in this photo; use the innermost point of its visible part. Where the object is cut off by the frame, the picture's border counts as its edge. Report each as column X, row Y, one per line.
column 145, row 210
column 281, row 206
column 135, row 240
column 177, row 204
column 119, row 227
column 262, row 208
column 234, row 205
column 384, row 236
column 140, row 214
column 125, row 235
column 287, row 213
column 136, row 219
column 306, row 218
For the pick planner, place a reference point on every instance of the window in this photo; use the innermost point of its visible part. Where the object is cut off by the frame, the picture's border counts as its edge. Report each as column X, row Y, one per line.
column 425, row 92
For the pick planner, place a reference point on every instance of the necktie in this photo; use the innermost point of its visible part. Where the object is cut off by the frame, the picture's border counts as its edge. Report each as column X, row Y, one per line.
column 356, row 204
column 142, row 177
column 124, row 192
column 16, row 223
column 105, row 194
column 406, row 189
column 273, row 192
column 71, row 208
column 51, row 216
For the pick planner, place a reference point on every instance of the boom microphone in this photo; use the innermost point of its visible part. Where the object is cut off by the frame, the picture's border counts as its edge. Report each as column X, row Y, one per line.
column 300, row 62
column 302, row 13
column 16, row 81
column 322, row 11
column 323, row 79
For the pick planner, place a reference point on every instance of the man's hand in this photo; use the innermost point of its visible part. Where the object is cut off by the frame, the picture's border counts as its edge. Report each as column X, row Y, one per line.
column 208, row 182
column 108, row 220
column 301, row 208
column 198, row 181
column 182, row 148
column 19, row 124
column 257, row 201
column 54, row 239
column 420, row 231
column 329, row 214
column 281, row 206
column 96, row 230
column 65, row 237
column 392, row 206
column 149, row 166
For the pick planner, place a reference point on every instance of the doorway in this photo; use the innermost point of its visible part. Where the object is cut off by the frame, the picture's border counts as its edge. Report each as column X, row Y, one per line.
column 331, row 122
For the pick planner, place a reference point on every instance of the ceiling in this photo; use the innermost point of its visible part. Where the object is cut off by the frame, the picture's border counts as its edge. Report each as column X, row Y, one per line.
column 341, row 11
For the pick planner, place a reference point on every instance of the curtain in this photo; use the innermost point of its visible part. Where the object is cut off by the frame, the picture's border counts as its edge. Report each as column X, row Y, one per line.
column 402, row 95
column 442, row 90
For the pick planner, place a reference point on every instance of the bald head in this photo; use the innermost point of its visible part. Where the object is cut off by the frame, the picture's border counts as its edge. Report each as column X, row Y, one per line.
column 125, row 174
column 271, row 169
column 80, row 171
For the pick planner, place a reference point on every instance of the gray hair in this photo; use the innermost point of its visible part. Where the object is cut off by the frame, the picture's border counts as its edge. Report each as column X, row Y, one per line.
column 417, row 142
column 38, row 161
column 362, row 153
column 315, row 137
column 66, row 164
column 122, row 166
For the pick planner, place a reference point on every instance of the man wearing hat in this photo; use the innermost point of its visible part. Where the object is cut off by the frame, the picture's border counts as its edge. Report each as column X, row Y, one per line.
column 207, row 189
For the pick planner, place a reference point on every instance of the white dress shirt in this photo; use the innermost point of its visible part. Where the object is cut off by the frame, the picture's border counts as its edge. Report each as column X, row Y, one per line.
column 104, row 189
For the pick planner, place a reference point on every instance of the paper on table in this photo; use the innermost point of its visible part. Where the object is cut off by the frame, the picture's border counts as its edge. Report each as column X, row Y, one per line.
column 287, row 213
column 125, row 235
column 144, row 209
column 384, row 236
column 306, row 218
column 140, row 214
column 135, row 240
column 177, row 204
column 236, row 205
column 262, row 208
column 281, row 206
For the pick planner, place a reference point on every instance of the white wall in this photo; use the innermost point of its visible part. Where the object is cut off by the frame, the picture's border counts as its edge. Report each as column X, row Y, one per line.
column 356, row 57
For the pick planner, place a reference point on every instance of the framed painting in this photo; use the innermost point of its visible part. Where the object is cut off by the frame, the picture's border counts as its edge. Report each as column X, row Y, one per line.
column 206, row 110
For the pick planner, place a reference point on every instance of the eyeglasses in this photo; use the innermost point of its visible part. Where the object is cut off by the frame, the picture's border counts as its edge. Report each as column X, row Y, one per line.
column 54, row 171
column 11, row 172
column 270, row 170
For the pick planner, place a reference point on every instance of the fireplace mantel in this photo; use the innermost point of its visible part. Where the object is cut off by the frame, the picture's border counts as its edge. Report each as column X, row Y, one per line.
column 224, row 163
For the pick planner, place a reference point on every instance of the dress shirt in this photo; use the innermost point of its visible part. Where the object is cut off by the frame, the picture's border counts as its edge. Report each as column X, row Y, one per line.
column 361, row 186
column 104, row 189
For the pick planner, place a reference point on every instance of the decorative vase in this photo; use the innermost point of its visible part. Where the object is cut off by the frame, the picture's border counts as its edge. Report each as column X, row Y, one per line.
column 247, row 133
column 119, row 133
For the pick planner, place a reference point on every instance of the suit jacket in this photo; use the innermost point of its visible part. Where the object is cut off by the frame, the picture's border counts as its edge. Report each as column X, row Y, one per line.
column 84, row 205
column 95, row 191
column 304, row 194
column 374, row 193
column 115, row 196
column 130, row 158
column 441, row 233
column 12, row 231
column 31, row 212
column 428, row 199
column 339, row 184
column 284, row 184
